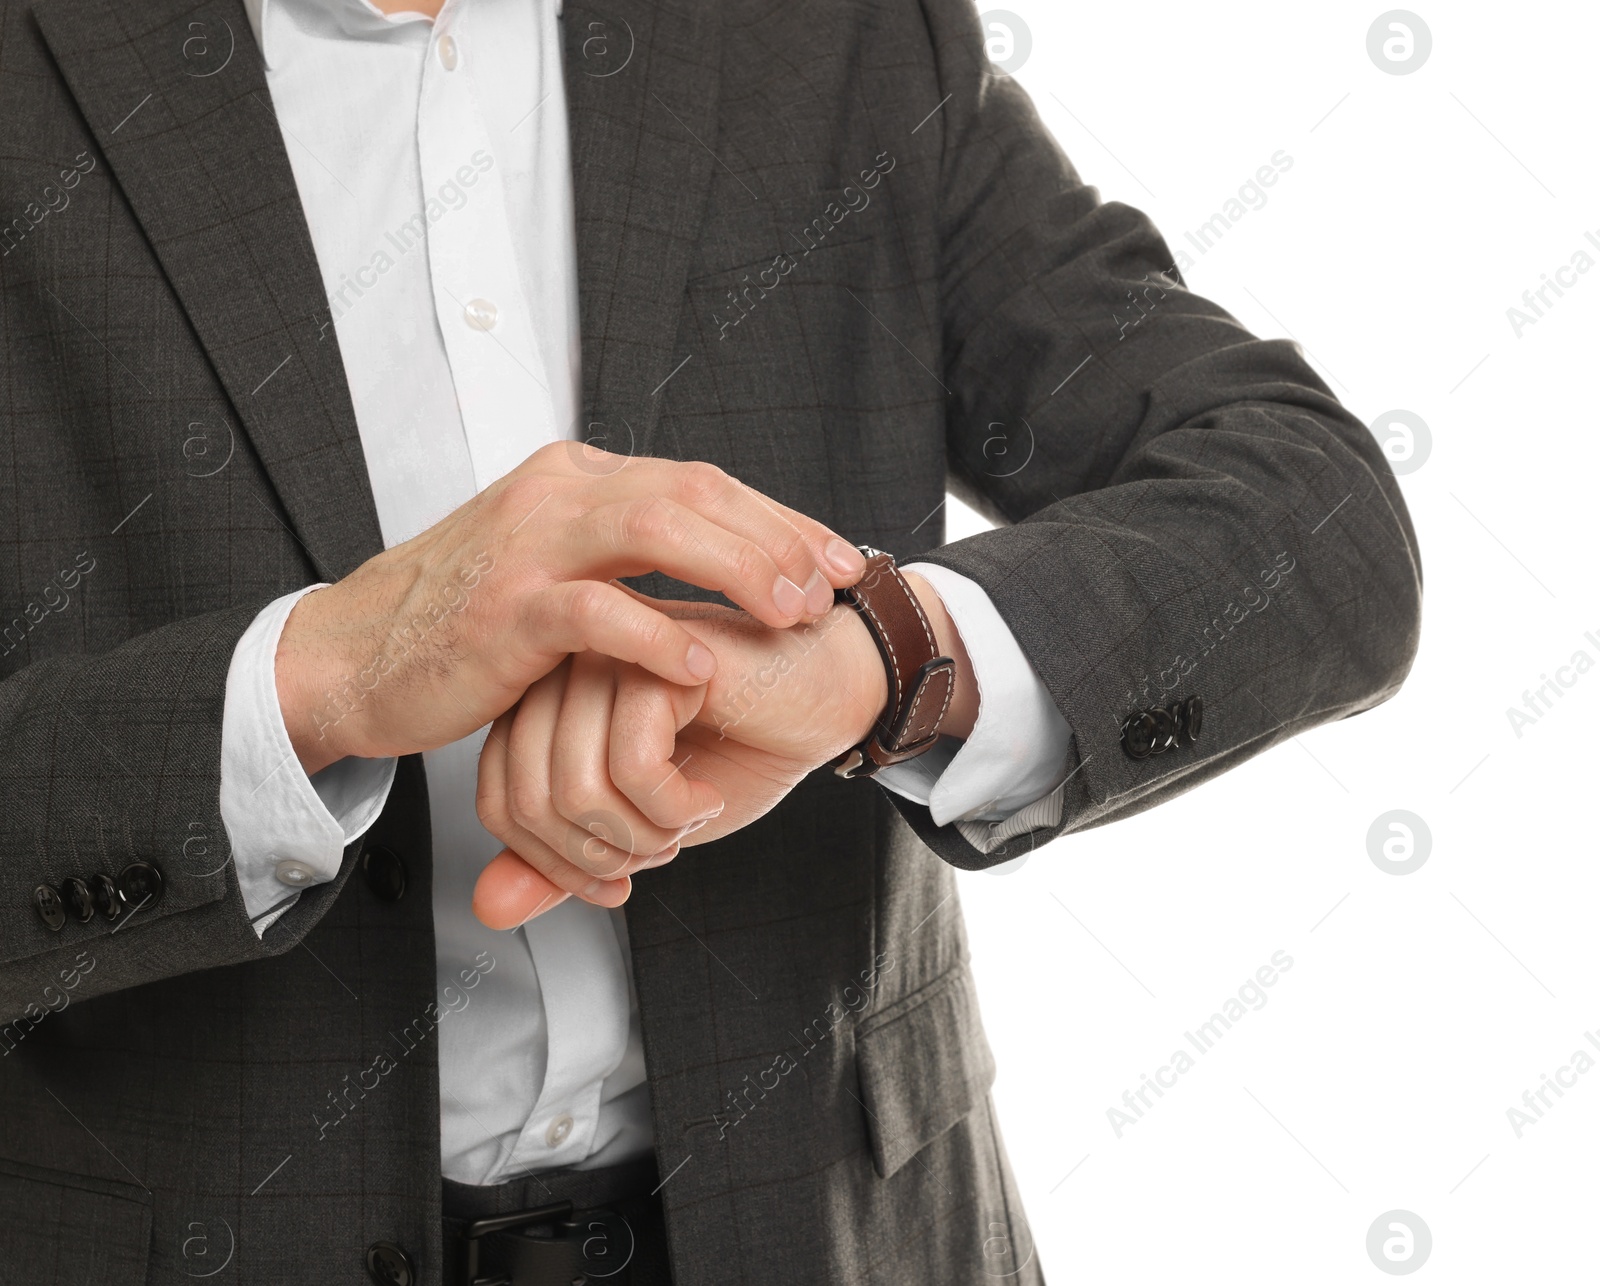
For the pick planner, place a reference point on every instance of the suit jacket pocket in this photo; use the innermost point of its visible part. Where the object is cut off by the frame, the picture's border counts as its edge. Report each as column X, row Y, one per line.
column 59, row 1229
column 924, row 1064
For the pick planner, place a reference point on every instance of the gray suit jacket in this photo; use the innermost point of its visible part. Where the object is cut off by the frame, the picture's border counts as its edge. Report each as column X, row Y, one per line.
column 177, row 447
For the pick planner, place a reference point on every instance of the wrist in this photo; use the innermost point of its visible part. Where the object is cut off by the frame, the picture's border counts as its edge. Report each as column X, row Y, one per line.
column 860, row 664
column 308, row 717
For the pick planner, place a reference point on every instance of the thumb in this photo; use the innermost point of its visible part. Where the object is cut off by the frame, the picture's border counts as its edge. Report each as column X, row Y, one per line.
column 509, row 892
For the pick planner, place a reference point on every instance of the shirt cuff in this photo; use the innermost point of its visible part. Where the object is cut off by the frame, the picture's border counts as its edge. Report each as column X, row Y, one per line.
column 1010, row 772
column 287, row 830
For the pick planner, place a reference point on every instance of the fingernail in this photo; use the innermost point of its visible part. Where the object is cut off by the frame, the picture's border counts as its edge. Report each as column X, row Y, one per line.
column 845, row 559
column 788, row 597
column 700, row 662
column 692, row 827
column 663, row 857
column 819, row 594
column 596, row 887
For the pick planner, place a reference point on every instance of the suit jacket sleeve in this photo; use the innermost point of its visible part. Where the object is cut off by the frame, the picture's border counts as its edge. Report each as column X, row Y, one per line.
column 114, row 759
column 1159, row 468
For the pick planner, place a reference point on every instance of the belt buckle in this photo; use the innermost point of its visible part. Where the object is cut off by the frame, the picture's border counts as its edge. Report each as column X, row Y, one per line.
column 591, row 1248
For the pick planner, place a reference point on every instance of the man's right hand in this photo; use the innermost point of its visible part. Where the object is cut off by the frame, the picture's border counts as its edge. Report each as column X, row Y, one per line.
column 435, row 638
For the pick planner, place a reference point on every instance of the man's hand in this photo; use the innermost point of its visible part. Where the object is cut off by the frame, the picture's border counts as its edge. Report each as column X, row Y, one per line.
column 434, row 638
column 604, row 769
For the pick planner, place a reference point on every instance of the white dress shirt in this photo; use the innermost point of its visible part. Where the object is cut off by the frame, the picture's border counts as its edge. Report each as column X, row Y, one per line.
column 432, row 161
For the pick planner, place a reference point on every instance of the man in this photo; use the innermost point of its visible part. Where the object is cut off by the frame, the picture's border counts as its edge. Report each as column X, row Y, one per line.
column 310, row 310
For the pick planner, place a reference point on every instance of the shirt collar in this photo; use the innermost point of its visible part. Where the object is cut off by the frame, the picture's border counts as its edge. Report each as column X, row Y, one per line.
column 353, row 18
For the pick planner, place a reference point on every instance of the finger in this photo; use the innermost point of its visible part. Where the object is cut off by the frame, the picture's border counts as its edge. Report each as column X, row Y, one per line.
column 841, row 561
column 586, row 802
column 509, row 892
column 587, row 615
column 652, row 533
column 646, row 717
column 806, row 552
column 494, row 811
column 800, row 545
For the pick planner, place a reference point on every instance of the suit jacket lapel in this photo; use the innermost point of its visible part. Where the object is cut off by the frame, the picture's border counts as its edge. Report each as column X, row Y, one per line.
column 175, row 96
column 641, row 82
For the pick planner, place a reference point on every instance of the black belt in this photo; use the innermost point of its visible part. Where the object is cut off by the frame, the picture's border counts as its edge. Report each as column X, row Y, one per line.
column 595, row 1227
column 552, row 1245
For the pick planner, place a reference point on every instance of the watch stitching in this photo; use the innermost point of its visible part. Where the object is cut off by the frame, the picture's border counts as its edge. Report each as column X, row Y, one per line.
column 888, row 643
column 933, row 646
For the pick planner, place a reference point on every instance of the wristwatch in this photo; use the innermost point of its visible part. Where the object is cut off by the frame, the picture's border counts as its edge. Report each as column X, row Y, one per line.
column 921, row 682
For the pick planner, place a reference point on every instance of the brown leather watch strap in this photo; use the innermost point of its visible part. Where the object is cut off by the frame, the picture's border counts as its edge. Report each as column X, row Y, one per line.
column 921, row 681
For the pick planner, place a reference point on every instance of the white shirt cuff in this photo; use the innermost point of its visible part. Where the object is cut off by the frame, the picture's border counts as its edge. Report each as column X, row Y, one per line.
column 287, row 830
column 1010, row 772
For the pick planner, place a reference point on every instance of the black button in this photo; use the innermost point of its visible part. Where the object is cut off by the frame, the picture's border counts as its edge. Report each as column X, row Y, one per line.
column 388, row 1265
column 47, row 902
column 1194, row 711
column 384, row 872
column 75, row 895
column 1139, row 735
column 1165, row 735
column 107, row 900
column 140, row 884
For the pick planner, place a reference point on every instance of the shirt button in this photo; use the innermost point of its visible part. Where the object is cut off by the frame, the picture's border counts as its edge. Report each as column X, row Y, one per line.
column 295, row 874
column 481, row 314
column 449, row 55
column 559, row 1130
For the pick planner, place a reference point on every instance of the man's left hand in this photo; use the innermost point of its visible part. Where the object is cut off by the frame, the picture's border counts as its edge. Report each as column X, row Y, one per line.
column 604, row 769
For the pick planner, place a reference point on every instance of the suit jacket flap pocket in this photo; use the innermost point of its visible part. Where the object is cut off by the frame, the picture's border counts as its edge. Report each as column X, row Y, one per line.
column 65, row 1229
column 924, row 1064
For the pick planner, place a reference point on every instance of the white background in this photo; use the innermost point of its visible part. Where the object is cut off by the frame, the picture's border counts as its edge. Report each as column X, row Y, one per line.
column 1420, row 1007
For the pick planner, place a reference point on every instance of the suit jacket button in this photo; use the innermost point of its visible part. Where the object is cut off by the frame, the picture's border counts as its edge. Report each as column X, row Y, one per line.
column 77, row 899
column 139, row 883
column 1139, row 735
column 1194, row 711
column 388, row 1265
column 1165, row 735
column 384, row 872
column 47, row 902
column 107, row 900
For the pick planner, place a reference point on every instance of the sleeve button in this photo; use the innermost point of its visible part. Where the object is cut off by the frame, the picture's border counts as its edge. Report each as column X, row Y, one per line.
column 1139, row 735
column 140, row 883
column 107, row 900
column 47, row 902
column 77, row 899
column 1165, row 734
